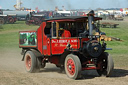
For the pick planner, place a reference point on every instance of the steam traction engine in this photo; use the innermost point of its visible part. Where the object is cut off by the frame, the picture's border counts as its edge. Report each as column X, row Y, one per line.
column 81, row 51
column 7, row 19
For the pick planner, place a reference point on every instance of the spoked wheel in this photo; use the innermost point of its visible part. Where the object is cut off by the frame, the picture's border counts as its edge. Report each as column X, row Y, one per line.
column 72, row 66
column 11, row 20
column 31, row 63
column 106, row 65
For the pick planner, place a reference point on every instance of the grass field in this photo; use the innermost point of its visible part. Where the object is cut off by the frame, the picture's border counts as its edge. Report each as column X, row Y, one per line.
column 9, row 39
column 9, row 34
column 120, row 48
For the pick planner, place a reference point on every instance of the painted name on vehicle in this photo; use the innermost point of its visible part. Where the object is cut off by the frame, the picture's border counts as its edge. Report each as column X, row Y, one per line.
column 65, row 41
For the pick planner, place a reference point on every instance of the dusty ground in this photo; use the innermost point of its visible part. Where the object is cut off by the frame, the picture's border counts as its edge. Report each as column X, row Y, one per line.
column 12, row 72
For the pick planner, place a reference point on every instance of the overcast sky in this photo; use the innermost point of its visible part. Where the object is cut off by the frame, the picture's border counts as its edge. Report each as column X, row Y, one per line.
column 69, row 4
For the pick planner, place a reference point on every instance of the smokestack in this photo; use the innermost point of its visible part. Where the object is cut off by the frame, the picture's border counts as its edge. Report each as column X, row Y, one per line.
column 91, row 21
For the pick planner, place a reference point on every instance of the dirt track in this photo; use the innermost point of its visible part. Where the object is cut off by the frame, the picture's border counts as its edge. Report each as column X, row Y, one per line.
column 12, row 72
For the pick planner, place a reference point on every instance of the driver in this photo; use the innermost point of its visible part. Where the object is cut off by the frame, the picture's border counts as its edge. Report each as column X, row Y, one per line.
column 66, row 33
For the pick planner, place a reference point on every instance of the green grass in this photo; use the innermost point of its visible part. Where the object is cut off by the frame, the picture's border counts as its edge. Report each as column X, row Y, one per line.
column 9, row 35
column 9, row 39
column 1, row 27
column 120, row 48
column 19, row 25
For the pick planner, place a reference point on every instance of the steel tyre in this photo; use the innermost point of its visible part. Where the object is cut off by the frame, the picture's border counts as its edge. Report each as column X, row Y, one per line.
column 72, row 66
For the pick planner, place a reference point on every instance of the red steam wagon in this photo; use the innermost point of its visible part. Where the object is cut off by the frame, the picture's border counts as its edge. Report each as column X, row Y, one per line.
column 69, row 43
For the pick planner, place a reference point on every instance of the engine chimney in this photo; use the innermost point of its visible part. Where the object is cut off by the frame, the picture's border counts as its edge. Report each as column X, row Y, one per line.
column 91, row 21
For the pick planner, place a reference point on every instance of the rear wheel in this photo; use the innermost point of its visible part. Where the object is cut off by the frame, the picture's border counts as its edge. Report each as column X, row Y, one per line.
column 31, row 62
column 72, row 66
column 106, row 65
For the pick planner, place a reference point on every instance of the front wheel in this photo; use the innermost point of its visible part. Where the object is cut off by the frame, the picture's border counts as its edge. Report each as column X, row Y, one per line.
column 2, row 21
column 72, row 66
column 31, row 62
column 106, row 65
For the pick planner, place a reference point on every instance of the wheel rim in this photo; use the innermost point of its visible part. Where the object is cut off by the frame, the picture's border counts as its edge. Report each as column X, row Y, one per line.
column 70, row 66
column 28, row 62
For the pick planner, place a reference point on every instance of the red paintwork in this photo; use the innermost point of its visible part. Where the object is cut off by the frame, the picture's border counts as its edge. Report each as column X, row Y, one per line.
column 51, row 47
column 54, row 46
column 48, row 46
column 40, row 38
column 54, row 60
column 90, row 68
column 44, row 40
column 70, row 66
column 58, row 45
column 88, row 62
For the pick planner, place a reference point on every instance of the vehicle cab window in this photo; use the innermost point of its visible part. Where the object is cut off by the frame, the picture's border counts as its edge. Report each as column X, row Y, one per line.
column 47, row 30
column 64, row 30
column 67, row 29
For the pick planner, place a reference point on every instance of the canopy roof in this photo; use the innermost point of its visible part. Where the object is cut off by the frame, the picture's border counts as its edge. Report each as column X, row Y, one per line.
column 71, row 18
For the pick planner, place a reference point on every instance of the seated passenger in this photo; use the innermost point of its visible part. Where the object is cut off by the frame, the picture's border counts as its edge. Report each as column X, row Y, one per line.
column 66, row 33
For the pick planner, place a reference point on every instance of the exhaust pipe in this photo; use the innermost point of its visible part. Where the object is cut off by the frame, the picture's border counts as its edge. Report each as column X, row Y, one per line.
column 91, row 22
